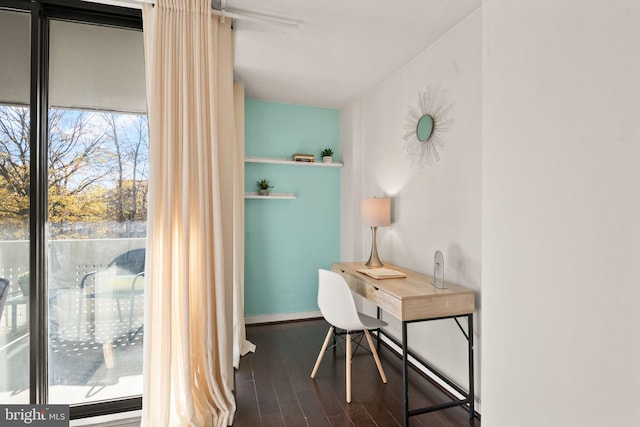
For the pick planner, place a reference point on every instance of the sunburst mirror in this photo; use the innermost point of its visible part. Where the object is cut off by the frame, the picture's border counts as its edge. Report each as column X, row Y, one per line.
column 425, row 126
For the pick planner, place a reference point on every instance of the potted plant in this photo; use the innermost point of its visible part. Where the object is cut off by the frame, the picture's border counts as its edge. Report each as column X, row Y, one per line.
column 264, row 186
column 327, row 154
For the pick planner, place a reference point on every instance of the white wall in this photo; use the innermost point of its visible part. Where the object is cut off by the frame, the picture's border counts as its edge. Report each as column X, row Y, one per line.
column 561, row 213
column 437, row 207
column 351, row 140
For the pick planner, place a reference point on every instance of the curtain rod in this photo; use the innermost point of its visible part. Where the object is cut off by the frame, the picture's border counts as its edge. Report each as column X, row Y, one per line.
column 239, row 14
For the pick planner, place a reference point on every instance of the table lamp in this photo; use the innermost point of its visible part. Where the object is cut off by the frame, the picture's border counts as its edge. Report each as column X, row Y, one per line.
column 375, row 212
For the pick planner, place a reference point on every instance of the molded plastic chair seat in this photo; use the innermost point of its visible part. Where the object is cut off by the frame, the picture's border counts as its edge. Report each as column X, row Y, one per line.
column 370, row 322
column 337, row 306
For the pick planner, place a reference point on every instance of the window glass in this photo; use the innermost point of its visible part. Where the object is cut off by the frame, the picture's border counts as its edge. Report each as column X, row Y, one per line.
column 14, row 208
column 97, row 211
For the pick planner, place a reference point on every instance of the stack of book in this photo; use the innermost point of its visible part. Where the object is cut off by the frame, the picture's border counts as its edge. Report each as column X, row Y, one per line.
column 382, row 273
column 301, row 157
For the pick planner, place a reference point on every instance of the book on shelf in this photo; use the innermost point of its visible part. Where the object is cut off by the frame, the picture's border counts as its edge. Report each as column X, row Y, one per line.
column 302, row 157
column 382, row 273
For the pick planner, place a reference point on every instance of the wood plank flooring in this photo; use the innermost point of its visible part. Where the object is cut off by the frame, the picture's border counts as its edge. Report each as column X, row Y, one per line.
column 274, row 388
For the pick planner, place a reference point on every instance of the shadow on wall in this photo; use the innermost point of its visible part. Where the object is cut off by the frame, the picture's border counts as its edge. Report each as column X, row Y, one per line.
column 465, row 268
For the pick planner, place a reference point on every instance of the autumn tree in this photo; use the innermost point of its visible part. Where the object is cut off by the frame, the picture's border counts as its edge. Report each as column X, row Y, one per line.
column 14, row 158
column 77, row 165
column 128, row 201
column 87, row 153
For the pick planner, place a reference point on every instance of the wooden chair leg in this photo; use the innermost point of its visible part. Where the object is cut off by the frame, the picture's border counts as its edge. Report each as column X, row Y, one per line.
column 348, row 358
column 375, row 356
column 322, row 351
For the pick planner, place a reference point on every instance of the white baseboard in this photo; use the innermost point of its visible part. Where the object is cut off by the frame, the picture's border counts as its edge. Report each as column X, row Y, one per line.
column 270, row 318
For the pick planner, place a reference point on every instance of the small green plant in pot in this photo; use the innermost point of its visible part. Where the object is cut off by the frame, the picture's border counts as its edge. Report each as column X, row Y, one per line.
column 264, row 187
column 327, row 154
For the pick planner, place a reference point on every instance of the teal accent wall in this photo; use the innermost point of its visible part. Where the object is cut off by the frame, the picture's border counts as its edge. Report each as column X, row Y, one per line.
column 286, row 241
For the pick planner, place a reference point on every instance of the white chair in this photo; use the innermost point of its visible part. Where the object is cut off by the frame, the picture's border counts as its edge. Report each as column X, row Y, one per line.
column 338, row 308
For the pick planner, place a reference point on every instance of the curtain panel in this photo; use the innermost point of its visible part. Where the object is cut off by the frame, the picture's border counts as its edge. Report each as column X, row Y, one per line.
column 191, row 314
column 240, row 344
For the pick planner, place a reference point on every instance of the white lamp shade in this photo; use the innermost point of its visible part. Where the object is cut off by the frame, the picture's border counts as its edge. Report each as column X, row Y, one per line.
column 376, row 211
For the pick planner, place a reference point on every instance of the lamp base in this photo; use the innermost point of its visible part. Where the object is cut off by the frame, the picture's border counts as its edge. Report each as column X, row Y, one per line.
column 374, row 261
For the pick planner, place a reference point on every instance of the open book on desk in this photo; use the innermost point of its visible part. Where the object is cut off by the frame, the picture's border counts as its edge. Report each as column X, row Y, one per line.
column 382, row 273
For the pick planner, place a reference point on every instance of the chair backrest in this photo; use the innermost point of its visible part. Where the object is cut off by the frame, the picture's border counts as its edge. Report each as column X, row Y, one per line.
column 336, row 301
column 4, row 293
column 129, row 263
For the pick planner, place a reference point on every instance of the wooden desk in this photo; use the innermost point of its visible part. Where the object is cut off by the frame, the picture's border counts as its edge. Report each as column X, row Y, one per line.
column 415, row 299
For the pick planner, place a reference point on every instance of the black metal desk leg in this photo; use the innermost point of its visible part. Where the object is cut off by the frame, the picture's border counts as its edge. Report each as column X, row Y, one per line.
column 378, row 316
column 405, row 375
column 472, row 397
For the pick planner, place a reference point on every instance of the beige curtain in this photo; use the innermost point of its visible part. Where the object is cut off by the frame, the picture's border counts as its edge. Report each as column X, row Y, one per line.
column 240, row 344
column 188, row 353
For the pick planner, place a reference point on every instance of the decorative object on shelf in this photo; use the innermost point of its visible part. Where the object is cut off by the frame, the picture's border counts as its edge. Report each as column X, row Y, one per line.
column 375, row 212
column 302, row 157
column 424, row 127
column 327, row 154
column 264, row 187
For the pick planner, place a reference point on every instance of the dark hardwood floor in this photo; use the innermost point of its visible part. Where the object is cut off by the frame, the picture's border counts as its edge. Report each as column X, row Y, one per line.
column 274, row 387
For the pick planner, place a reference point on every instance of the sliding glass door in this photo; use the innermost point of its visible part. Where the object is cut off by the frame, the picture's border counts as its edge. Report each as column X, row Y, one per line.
column 15, row 162
column 79, row 226
column 97, row 210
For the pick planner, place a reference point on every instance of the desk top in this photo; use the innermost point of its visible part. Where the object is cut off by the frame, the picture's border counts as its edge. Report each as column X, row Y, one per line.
column 409, row 298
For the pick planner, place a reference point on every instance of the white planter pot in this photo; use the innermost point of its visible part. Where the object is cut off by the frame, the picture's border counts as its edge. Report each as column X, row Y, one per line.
column 327, row 159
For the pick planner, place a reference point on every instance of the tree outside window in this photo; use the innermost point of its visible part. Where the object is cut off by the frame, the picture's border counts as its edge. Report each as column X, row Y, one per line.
column 97, row 174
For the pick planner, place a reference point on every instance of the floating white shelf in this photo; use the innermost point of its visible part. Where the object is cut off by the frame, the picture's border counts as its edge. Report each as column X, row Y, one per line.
column 281, row 196
column 278, row 161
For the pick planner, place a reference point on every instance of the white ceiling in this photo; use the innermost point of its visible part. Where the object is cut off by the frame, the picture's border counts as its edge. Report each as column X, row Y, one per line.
column 342, row 48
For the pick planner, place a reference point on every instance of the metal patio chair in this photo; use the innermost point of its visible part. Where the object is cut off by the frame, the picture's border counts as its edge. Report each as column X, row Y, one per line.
column 121, row 279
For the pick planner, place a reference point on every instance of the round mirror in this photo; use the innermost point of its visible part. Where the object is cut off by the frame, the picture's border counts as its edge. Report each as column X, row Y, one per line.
column 424, row 128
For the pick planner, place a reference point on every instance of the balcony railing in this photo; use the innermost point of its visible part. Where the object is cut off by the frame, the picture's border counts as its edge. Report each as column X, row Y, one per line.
column 95, row 330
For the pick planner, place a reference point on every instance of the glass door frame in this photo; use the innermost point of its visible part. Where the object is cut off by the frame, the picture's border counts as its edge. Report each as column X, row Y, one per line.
column 41, row 11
